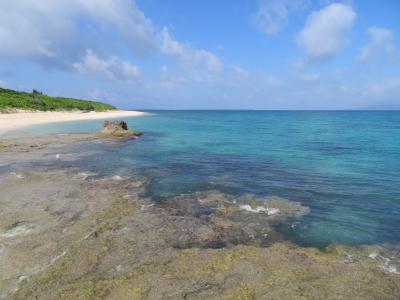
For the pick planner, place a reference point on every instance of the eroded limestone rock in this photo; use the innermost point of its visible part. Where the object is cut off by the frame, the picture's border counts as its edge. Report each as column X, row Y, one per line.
column 118, row 129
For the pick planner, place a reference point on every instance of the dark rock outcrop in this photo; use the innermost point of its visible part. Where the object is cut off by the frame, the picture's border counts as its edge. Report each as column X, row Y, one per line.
column 118, row 129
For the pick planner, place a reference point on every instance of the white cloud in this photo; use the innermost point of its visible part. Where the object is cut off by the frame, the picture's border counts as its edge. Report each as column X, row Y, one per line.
column 388, row 88
column 324, row 34
column 31, row 28
column 272, row 81
column 112, row 69
column 167, row 80
column 273, row 15
column 187, row 55
column 240, row 72
column 101, row 95
column 381, row 41
column 310, row 77
column 57, row 33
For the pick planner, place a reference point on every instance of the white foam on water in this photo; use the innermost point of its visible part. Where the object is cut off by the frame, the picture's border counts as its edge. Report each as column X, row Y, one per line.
column 57, row 156
column 18, row 175
column 373, row 255
column 390, row 269
column 386, row 263
column 83, row 175
column 273, row 211
column 117, row 177
column 269, row 211
column 144, row 207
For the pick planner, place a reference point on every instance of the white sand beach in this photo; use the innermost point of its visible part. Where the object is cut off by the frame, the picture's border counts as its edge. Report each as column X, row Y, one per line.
column 13, row 121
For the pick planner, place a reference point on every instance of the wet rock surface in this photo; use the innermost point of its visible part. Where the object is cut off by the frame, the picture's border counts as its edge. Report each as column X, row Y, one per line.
column 68, row 234
column 215, row 220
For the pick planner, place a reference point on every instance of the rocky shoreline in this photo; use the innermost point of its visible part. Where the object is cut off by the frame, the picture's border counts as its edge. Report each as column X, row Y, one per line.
column 69, row 234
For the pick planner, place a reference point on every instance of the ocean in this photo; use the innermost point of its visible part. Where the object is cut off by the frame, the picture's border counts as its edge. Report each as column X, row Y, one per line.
column 343, row 165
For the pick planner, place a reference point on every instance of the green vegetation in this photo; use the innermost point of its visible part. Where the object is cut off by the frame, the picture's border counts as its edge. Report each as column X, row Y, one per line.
column 12, row 100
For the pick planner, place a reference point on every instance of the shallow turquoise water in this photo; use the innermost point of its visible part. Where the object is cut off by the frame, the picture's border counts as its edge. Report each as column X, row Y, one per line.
column 344, row 165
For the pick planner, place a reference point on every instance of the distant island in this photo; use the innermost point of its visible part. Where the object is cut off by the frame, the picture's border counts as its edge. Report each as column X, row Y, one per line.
column 11, row 101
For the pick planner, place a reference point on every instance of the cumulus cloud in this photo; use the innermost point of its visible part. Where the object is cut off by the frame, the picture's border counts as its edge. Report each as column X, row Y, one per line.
column 29, row 27
column 381, row 41
column 57, row 33
column 113, row 68
column 187, row 55
column 34, row 29
column 273, row 15
column 324, row 33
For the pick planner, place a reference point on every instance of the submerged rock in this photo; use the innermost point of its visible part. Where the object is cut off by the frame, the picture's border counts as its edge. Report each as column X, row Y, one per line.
column 118, row 129
column 217, row 220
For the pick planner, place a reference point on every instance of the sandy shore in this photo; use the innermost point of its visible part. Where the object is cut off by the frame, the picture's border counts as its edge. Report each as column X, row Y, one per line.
column 13, row 121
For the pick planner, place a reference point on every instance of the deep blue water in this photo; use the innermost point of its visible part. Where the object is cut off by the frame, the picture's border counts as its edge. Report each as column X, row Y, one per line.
column 344, row 165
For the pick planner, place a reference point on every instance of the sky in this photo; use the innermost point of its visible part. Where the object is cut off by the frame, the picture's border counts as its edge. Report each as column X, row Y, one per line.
column 206, row 54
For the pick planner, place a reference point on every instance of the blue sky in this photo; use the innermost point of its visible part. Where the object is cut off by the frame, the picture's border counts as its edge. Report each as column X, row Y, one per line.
column 179, row 54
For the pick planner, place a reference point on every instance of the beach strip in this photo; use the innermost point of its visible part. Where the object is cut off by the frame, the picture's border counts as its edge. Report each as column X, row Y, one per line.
column 14, row 121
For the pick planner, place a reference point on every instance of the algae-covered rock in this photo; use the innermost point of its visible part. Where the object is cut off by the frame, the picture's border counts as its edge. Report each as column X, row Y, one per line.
column 215, row 220
column 118, row 129
column 66, row 235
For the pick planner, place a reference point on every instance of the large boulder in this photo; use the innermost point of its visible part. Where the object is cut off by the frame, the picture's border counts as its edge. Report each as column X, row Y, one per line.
column 118, row 129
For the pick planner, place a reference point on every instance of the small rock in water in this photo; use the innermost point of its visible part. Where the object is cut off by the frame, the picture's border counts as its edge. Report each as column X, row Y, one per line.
column 118, row 129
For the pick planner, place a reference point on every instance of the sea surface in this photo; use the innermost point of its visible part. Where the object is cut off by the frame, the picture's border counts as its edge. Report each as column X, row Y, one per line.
column 344, row 165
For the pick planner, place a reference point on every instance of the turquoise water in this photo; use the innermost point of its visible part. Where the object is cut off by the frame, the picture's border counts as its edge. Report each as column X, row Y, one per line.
column 344, row 165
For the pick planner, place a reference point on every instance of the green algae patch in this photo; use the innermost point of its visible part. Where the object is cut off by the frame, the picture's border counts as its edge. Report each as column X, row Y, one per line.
column 114, row 288
column 281, row 271
column 243, row 293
